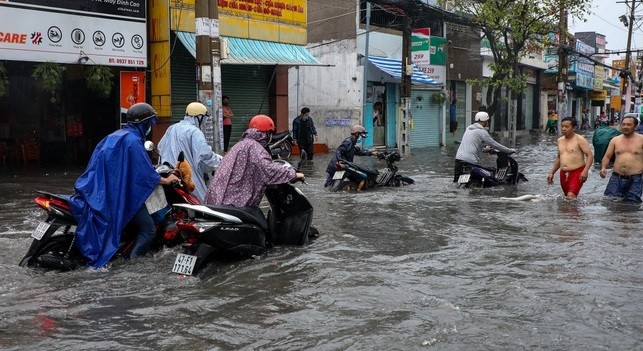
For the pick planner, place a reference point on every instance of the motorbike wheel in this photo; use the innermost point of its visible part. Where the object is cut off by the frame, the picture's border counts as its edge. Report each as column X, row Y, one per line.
column 349, row 187
column 402, row 180
column 56, row 254
column 474, row 184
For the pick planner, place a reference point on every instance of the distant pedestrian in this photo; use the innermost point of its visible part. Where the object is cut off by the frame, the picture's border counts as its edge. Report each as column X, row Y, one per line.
column 304, row 133
column 227, row 122
column 453, row 117
column 639, row 128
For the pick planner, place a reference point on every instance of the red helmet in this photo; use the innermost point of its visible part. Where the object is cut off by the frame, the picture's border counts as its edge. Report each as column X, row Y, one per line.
column 262, row 123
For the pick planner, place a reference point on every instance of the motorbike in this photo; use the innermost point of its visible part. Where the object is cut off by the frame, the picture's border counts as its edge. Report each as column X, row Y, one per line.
column 280, row 145
column 217, row 231
column 353, row 177
column 505, row 173
column 53, row 240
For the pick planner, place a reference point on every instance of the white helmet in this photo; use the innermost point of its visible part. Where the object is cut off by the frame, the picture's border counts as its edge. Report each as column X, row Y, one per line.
column 195, row 109
column 482, row 116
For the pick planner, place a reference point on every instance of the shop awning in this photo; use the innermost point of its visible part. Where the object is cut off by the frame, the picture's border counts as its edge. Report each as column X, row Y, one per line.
column 394, row 68
column 256, row 52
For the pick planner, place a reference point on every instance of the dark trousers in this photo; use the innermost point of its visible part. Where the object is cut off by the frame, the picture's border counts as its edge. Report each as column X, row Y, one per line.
column 145, row 225
column 227, row 130
column 306, row 145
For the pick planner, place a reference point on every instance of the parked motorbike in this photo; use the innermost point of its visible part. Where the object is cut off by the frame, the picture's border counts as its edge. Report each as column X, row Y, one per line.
column 280, row 145
column 53, row 245
column 216, row 231
column 352, row 177
column 505, row 173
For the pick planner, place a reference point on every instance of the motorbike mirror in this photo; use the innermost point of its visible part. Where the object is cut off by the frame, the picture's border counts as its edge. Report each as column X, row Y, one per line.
column 149, row 145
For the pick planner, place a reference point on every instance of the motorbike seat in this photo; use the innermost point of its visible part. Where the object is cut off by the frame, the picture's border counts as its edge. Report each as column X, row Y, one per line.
column 280, row 135
column 246, row 215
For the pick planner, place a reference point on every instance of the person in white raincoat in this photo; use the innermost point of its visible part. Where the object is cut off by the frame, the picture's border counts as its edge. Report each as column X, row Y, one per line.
column 187, row 136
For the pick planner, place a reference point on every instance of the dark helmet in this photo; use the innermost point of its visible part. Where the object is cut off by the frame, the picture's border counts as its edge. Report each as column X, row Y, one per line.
column 140, row 112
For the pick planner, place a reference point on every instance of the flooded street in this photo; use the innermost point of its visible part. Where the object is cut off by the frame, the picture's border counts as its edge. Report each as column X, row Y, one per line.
column 424, row 267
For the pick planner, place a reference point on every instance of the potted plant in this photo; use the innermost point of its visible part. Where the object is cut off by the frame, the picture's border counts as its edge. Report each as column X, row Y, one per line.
column 100, row 79
column 4, row 81
column 439, row 98
column 49, row 75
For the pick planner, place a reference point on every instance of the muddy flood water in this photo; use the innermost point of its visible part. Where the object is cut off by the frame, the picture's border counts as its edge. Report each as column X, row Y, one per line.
column 424, row 267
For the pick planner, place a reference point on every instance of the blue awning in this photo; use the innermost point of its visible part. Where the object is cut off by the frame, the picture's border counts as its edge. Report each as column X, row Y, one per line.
column 394, row 68
column 256, row 52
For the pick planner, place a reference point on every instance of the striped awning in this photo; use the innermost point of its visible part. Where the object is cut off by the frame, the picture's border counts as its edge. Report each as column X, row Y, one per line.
column 256, row 52
column 394, row 68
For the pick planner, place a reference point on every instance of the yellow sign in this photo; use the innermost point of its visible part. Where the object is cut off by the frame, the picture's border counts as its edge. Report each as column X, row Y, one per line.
column 291, row 12
column 615, row 102
column 282, row 21
column 618, row 64
column 598, row 95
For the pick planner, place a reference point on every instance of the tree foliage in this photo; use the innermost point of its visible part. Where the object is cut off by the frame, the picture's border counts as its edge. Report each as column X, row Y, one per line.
column 513, row 29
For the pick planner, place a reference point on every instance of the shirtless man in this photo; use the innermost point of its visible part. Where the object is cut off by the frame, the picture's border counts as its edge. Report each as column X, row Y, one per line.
column 625, row 181
column 574, row 159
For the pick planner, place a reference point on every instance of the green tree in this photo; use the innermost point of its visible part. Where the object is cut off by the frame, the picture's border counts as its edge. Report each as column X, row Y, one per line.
column 513, row 28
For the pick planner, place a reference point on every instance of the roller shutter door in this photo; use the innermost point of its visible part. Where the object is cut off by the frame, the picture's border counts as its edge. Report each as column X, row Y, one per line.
column 246, row 86
column 426, row 120
column 183, row 87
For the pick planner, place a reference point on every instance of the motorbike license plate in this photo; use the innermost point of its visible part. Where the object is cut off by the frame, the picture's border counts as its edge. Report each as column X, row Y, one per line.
column 40, row 231
column 184, row 264
column 464, row 178
column 338, row 175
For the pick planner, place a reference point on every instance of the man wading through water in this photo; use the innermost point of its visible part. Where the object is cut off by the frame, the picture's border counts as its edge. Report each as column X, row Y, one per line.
column 304, row 132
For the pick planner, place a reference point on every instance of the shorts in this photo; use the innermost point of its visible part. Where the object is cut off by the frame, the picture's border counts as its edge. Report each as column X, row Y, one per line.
column 626, row 187
column 570, row 181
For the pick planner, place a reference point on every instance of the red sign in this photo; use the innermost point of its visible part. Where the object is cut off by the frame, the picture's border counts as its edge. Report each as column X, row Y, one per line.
column 132, row 88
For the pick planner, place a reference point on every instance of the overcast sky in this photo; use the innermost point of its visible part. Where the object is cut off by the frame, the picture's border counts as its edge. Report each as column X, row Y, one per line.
column 604, row 20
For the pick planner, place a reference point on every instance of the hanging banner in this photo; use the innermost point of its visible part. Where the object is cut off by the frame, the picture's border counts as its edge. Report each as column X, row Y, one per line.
column 132, row 89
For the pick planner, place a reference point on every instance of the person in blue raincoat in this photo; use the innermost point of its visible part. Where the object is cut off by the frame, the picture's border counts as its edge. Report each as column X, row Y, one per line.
column 347, row 151
column 187, row 137
column 113, row 189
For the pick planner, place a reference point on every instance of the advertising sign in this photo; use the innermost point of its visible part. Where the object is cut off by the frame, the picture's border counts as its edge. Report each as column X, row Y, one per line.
column 99, row 32
column 132, row 89
column 428, row 54
column 291, row 12
column 420, row 46
column 597, row 95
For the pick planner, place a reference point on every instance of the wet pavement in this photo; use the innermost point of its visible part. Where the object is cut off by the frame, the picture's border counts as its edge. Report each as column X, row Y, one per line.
column 424, row 267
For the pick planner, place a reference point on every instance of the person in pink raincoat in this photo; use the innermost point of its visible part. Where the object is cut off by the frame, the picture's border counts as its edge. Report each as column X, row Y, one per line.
column 247, row 169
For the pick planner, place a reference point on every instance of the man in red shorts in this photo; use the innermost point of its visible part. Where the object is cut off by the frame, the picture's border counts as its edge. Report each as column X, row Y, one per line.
column 574, row 159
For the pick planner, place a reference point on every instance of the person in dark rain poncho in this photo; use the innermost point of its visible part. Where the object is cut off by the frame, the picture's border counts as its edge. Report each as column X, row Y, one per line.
column 112, row 191
column 247, row 169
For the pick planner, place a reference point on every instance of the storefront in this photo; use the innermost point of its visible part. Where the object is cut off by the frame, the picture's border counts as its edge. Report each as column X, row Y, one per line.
column 52, row 110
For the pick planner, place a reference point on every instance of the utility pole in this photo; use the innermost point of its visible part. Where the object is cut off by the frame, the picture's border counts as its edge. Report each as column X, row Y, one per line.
column 562, row 64
column 407, row 71
column 625, row 87
column 365, row 75
column 208, row 61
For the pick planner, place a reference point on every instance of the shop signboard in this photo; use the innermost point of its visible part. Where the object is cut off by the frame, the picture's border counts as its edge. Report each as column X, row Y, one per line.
column 428, row 53
column 99, row 32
